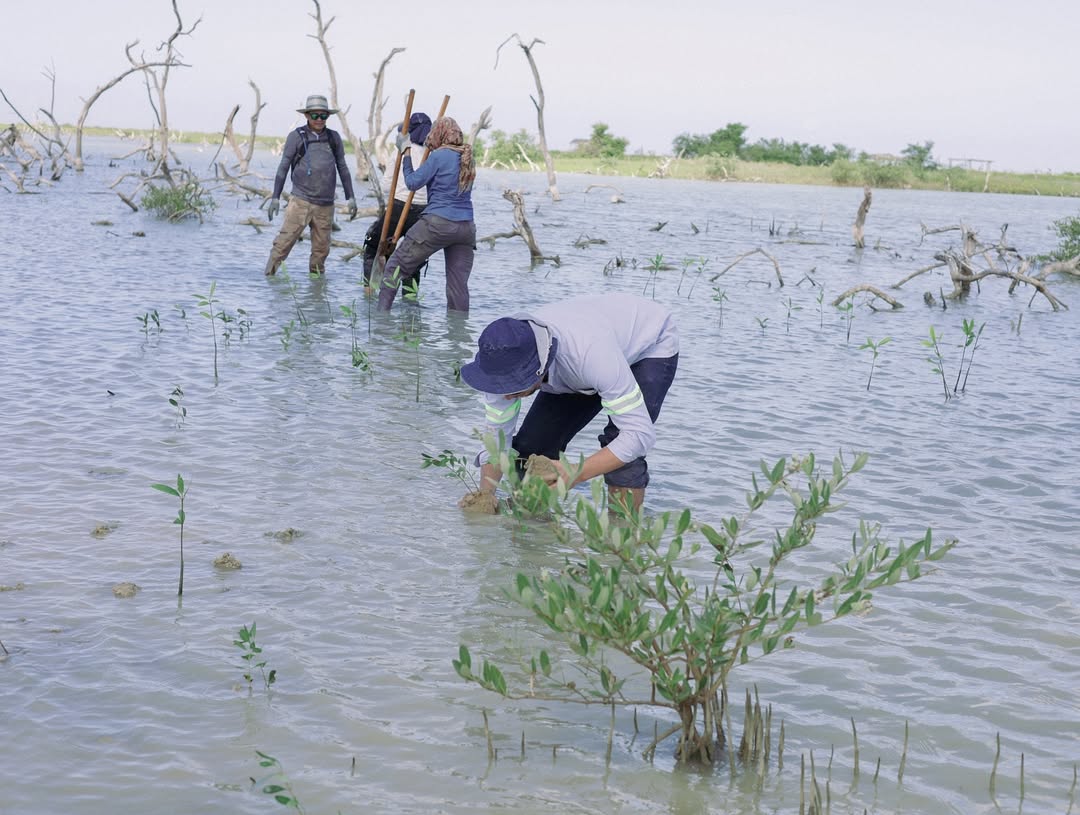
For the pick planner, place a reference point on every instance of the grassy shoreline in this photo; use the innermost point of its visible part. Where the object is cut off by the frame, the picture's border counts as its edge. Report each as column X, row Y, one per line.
column 714, row 168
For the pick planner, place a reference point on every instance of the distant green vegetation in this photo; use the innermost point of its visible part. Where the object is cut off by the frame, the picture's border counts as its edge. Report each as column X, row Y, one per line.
column 913, row 169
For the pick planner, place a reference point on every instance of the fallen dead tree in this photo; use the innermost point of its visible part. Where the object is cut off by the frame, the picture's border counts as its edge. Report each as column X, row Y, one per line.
column 521, row 230
column 998, row 260
column 744, row 256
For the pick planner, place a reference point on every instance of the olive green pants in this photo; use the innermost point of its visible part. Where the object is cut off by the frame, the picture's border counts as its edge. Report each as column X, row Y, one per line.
column 299, row 214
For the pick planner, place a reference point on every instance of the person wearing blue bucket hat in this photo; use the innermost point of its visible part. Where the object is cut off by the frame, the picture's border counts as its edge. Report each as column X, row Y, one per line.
column 616, row 352
column 419, row 127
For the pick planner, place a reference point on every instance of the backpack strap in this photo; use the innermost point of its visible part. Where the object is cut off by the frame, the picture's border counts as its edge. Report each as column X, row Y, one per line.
column 332, row 136
column 301, row 150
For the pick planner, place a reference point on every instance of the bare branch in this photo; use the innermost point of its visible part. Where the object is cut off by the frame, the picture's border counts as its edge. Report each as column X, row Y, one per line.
column 538, row 103
column 745, row 255
column 377, row 102
column 868, row 288
column 918, row 272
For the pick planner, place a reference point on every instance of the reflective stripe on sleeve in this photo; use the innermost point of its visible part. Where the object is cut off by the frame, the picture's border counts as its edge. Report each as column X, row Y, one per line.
column 496, row 416
column 624, row 404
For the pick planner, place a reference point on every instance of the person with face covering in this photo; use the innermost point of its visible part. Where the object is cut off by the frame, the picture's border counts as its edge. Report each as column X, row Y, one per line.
column 447, row 223
column 614, row 352
column 419, row 127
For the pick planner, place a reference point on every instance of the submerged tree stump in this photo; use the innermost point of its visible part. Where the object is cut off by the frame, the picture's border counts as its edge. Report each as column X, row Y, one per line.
column 860, row 219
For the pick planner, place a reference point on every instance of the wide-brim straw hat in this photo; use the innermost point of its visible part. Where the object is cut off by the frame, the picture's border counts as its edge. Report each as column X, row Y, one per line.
column 316, row 102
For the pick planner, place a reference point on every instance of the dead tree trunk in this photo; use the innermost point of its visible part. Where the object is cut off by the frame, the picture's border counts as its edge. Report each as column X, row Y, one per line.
column 374, row 121
column 538, row 103
column 244, row 156
column 160, row 85
column 320, row 36
column 521, row 230
column 481, row 124
column 860, row 219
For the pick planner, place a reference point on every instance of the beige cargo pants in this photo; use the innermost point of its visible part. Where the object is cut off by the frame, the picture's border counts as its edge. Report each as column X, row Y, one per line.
column 299, row 214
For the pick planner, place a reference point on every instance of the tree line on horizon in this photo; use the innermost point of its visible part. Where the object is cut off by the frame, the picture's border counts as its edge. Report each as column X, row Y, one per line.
column 727, row 142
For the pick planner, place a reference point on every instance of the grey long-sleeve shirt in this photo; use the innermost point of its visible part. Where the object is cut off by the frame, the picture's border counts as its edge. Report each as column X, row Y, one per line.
column 314, row 178
column 600, row 337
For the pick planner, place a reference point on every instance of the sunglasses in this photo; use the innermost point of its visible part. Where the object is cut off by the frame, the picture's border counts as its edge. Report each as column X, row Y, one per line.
column 318, row 116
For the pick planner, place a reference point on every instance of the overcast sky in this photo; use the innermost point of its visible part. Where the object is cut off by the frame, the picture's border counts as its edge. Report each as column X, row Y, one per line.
column 991, row 80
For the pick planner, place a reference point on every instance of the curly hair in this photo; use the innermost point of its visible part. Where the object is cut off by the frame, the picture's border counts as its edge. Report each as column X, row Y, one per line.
column 446, row 133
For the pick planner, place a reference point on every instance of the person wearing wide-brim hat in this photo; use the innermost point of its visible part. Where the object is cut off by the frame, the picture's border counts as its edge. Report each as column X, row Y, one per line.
column 613, row 352
column 316, row 157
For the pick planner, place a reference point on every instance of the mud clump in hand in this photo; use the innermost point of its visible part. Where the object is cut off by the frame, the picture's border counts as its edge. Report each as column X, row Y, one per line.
column 542, row 467
column 484, row 503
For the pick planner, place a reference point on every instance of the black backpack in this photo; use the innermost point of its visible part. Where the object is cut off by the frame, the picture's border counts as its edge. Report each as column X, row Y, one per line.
column 301, row 151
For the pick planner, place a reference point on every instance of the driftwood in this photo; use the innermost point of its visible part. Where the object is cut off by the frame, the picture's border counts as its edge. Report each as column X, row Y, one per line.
column 872, row 290
column 617, row 198
column 963, row 275
column 743, row 256
column 521, row 230
column 918, row 272
column 585, row 241
column 663, row 165
column 1068, row 267
column 538, row 103
column 860, row 219
column 1001, row 259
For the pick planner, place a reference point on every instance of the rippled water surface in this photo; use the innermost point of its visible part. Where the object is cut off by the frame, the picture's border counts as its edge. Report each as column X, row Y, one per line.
column 139, row 705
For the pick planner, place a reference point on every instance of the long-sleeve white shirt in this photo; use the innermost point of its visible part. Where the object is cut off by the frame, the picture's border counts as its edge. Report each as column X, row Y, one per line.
column 599, row 338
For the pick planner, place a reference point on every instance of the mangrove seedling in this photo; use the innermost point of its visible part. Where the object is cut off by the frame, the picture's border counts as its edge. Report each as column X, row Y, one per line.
column 654, row 268
column 936, row 360
column 457, row 467
column 284, row 275
column 147, row 318
column 206, row 302
column 702, row 263
column 250, row 653
column 821, row 306
column 971, row 339
column 636, row 589
column 719, row 296
column 875, row 347
column 762, row 321
column 790, row 308
column 847, row 309
column 360, row 358
column 175, row 399
column 286, row 334
column 179, row 492
column 276, row 783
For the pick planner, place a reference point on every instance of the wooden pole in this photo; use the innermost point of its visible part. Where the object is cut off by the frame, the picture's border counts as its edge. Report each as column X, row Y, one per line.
column 383, row 248
column 408, row 201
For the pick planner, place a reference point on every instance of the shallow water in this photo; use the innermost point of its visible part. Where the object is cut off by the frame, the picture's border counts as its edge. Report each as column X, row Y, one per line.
column 139, row 705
